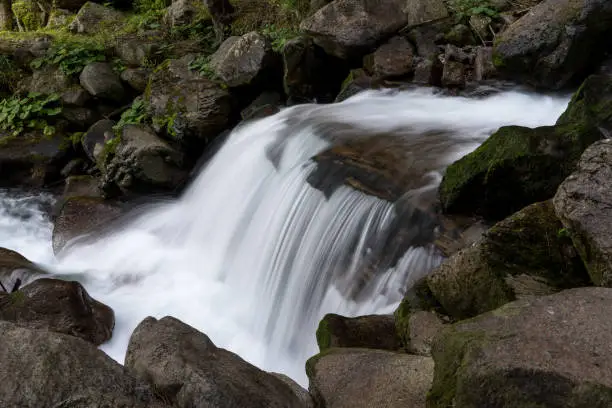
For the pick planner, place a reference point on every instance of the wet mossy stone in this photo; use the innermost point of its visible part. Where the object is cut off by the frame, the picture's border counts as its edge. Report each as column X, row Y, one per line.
column 592, row 103
column 373, row 331
column 513, row 168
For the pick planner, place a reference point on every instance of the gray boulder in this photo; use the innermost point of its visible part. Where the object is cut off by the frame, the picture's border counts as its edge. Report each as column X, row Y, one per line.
column 44, row 369
column 352, row 28
column 395, row 58
column 136, row 78
column 582, row 203
column 137, row 50
column 424, row 11
column 75, row 96
column 182, row 12
column 17, row 270
column 141, row 162
column 47, row 80
column 190, row 371
column 362, row 378
column 552, row 351
column 555, row 41
column 374, row 331
column 242, row 60
column 93, row 18
column 94, row 139
column 99, row 79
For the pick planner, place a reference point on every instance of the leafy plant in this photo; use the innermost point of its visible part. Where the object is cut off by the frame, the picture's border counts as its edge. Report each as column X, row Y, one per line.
column 279, row 35
column 30, row 113
column 9, row 72
column 464, row 9
column 202, row 65
column 167, row 123
column 135, row 115
column 71, row 57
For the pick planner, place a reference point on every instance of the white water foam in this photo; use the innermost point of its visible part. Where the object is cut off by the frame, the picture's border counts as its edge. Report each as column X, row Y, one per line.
column 252, row 255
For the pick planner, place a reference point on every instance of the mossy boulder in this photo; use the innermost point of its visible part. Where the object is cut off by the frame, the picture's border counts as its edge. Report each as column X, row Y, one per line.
column 373, row 331
column 583, row 205
column 28, row 14
column 515, row 167
column 551, row 351
column 524, row 255
column 363, row 378
column 95, row 18
column 592, row 103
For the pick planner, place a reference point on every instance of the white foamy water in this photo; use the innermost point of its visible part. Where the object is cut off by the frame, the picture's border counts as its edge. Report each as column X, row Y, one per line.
column 251, row 254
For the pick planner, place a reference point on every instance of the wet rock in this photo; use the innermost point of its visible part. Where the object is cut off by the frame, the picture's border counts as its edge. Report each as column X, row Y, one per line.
column 190, row 371
column 188, row 107
column 241, row 61
column 524, row 255
column 428, row 72
column 101, row 81
column 93, row 18
column 94, row 139
column 513, row 168
column 555, row 42
column 301, row 393
column 591, row 105
column 426, row 38
column 141, row 162
column 352, row 28
column 362, row 378
column 16, row 270
column 44, row 369
column 552, row 351
column 582, row 203
column 460, row 35
column 483, row 64
column 392, row 59
column 374, row 331
column 79, row 216
column 58, row 306
column 137, row 78
column 82, row 186
column 453, row 74
column 266, row 104
column 357, row 81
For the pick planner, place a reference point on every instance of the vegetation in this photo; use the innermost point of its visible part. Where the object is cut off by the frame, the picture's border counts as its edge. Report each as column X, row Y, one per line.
column 32, row 112
column 135, row 115
column 279, row 35
column 71, row 58
column 464, row 9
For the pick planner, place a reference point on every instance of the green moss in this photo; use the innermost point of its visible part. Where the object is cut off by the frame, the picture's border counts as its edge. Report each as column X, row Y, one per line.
column 498, row 60
column 17, row 298
column 256, row 15
column 28, row 14
column 323, row 335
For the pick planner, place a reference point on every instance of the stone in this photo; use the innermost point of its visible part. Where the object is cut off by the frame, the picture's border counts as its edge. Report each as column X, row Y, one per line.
column 93, row 18
column 424, row 11
column 61, row 18
column 182, row 12
column 58, row 306
column 301, row 393
column 513, row 168
column 357, row 81
column 582, row 203
column 423, row 327
column 460, row 35
column 48, row 80
column 242, row 61
column 99, row 79
column 136, row 78
column 551, row 351
column 427, row 72
column 480, row 24
column 266, row 104
column 141, row 162
column 81, row 216
column 190, row 371
column 483, row 64
column 45, row 369
column 75, row 96
column 362, row 378
column 522, row 256
column 426, row 38
column 71, row 5
column 186, row 106
column 95, row 136
column 373, row 331
column 395, row 58
column 82, row 186
column 80, row 116
column 137, row 50
column 352, row 28
column 16, row 270
column 591, row 105
column 555, row 42
column 453, row 74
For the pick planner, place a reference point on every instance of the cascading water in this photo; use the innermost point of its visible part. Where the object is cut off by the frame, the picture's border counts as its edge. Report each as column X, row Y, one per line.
column 252, row 254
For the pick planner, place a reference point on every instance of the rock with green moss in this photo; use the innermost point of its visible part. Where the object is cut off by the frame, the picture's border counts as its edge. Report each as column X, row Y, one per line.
column 524, row 255
column 363, row 378
column 94, row 18
column 48, row 80
column 592, row 103
column 583, row 205
column 137, row 50
column 557, row 41
column 186, row 106
column 515, row 167
column 373, row 331
column 58, row 306
column 28, row 14
column 551, row 351
column 61, row 18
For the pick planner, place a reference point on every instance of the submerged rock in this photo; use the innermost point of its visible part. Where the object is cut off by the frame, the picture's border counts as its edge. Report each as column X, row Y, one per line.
column 58, row 306
column 361, row 378
column 44, row 369
column 583, row 205
column 186, row 368
column 552, row 351
column 374, row 331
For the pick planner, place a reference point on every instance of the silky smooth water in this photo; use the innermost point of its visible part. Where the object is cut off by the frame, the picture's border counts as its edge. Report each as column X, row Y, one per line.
column 251, row 254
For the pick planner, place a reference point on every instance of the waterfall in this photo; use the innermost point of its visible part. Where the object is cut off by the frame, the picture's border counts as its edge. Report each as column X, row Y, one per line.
column 252, row 254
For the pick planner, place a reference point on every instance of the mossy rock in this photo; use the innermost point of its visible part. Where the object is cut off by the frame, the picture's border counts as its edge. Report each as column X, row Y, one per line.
column 524, row 255
column 513, row 168
column 373, row 331
column 592, row 103
column 28, row 14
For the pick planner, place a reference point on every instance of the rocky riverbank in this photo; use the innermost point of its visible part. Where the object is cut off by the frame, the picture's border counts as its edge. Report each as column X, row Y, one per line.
column 110, row 103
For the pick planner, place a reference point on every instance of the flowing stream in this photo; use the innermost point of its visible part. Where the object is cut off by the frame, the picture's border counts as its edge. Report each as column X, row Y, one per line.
column 253, row 255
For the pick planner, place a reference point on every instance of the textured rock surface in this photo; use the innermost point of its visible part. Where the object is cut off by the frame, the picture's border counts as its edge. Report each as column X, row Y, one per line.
column 93, row 18
column 373, row 331
column 392, row 59
column 101, row 81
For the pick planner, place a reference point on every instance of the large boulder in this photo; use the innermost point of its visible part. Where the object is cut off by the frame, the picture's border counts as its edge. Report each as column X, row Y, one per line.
column 44, row 369
column 591, row 104
column 245, row 60
column 137, row 50
column 79, row 216
column 96, row 136
column 47, row 80
column 58, row 306
column 352, row 28
column 373, row 331
column 362, row 378
column 524, row 255
column 93, row 18
column 515, row 167
column 16, row 270
column 182, row 12
column 190, row 371
column 555, row 42
column 395, row 58
column 420, row 12
column 552, row 351
column 582, row 203
column 141, row 162
column 101, row 81
column 187, row 106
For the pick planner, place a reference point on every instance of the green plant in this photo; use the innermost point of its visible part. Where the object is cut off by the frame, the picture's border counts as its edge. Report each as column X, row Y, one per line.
column 28, row 15
column 71, row 57
column 202, row 65
column 464, row 9
column 29, row 113
column 167, row 123
column 135, row 115
column 9, row 72
column 279, row 35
